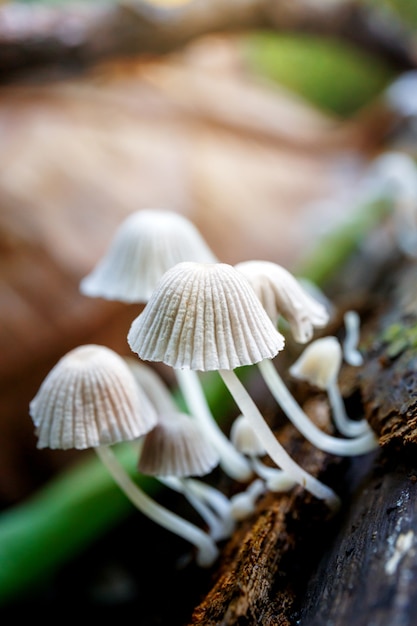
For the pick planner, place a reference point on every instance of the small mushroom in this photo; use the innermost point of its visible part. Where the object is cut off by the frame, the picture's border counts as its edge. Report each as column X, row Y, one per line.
column 245, row 439
column 175, row 450
column 205, row 317
column 244, row 502
column 146, row 244
column 281, row 294
column 90, row 400
column 319, row 365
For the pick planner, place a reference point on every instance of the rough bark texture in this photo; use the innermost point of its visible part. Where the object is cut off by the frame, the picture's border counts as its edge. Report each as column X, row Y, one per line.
column 291, row 565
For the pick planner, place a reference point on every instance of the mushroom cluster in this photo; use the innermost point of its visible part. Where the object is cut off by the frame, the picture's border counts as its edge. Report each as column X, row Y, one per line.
column 199, row 315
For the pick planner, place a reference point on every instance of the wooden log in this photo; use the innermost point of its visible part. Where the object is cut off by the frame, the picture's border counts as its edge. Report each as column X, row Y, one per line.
column 292, row 565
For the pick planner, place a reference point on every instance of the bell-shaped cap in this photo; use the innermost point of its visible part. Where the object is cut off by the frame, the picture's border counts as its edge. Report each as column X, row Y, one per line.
column 282, row 294
column 177, row 447
column 319, row 363
column 204, row 316
column 244, row 438
column 90, row 398
column 145, row 246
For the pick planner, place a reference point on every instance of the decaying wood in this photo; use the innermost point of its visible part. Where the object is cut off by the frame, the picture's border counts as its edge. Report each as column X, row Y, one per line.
column 74, row 35
column 265, row 563
column 289, row 565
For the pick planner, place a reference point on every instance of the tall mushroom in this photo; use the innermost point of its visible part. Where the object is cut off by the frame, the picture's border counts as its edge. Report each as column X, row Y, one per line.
column 282, row 295
column 205, row 317
column 90, row 400
column 148, row 243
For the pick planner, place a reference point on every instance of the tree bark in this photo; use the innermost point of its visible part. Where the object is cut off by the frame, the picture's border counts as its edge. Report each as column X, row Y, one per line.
column 292, row 564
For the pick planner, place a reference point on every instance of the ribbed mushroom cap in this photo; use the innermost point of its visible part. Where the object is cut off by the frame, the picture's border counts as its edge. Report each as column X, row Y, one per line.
column 320, row 362
column 204, row 316
column 177, row 447
column 88, row 399
column 244, row 437
column 282, row 294
column 146, row 244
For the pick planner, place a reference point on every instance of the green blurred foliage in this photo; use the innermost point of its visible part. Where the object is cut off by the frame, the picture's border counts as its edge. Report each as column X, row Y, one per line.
column 331, row 74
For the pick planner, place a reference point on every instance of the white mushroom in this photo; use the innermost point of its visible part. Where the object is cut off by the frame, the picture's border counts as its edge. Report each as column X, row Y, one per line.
column 175, row 450
column 146, row 244
column 281, row 294
column 245, row 439
column 91, row 400
column 206, row 316
column 319, row 364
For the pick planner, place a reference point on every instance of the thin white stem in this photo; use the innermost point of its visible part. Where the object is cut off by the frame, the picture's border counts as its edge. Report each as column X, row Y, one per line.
column 350, row 345
column 217, row 527
column 333, row 445
column 215, row 499
column 275, row 479
column 272, row 446
column 232, row 462
column 346, row 426
column 207, row 551
column 244, row 503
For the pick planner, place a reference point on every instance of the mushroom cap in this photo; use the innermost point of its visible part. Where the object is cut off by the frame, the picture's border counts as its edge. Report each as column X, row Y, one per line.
column 90, row 398
column 244, row 438
column 177, row 447
column 146, row 244
column 320, row 362
column 204, row 316
column 282, row 294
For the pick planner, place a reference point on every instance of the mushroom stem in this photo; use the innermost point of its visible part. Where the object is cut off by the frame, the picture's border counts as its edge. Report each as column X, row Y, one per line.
column 215, row 499
column 275, row 479
column 218, row 527
column 244, row 503
column 231, row 460
column 350, row 345
column 207, row 551
column 346, row 426
column 272, row 446
column 333, row 445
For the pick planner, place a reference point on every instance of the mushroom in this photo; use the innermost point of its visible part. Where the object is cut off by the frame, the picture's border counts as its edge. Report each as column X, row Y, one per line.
column 90, row 400
column 319, row 365
column 148, row 243
column 176, row 450
column 206, row 317
column 280, row 294
column 245, row 439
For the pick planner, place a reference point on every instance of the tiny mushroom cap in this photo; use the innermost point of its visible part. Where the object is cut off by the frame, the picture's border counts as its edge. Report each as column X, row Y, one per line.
column 177, row 447
column 281, row 294
column 245, row 438
column 320, row 362
column 146, row 244
column 90, row 399
column 204, row 316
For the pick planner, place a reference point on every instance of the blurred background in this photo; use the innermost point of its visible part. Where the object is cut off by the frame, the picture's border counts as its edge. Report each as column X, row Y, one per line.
column 253, row 118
